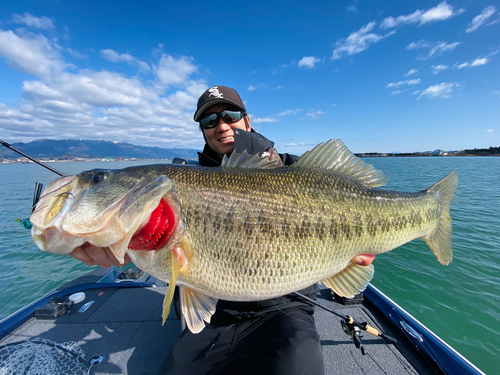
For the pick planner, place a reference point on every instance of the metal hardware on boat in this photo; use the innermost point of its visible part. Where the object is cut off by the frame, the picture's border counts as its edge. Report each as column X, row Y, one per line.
column 96, row 359
column 411, row 331
column 126, row 281
column 130, row 274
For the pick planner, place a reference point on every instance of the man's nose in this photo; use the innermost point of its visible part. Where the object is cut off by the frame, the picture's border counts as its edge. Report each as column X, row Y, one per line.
column 223, row 125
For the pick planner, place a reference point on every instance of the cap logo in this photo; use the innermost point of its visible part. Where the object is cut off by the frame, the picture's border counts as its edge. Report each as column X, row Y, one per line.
column 214, row 91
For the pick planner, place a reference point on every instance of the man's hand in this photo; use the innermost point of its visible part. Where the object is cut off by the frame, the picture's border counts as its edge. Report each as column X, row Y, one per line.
column 363, row 259
column 97, row 256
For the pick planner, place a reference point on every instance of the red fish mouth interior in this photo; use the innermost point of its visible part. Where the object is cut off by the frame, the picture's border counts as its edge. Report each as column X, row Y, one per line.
column 156, row 232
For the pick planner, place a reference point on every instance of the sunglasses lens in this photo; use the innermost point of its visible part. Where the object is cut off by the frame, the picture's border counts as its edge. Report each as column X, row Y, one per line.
column 209, row 121
column 231, row 116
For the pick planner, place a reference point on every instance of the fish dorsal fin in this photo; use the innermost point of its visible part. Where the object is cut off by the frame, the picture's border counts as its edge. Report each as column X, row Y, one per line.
column 267, row 160
column 335, row 156
column 197, row 308
column 351, row 281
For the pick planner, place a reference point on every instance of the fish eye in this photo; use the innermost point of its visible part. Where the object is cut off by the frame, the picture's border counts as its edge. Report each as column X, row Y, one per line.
column 98, row 177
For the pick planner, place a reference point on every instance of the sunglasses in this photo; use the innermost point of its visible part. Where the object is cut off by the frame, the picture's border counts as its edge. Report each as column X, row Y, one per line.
column 229, row 117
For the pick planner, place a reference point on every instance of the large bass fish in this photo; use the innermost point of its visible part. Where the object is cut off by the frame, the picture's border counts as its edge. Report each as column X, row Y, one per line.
column 249, row 230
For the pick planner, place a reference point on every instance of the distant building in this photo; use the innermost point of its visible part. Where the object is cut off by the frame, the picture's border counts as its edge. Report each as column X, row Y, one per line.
column 437, row 153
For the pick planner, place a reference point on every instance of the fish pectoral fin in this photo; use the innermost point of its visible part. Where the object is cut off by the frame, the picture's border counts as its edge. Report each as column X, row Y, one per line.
column 169, row 295
column 351, row 281
column 197, row 308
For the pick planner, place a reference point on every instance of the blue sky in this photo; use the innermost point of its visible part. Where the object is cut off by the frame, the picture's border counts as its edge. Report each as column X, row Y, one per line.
column 384, row 76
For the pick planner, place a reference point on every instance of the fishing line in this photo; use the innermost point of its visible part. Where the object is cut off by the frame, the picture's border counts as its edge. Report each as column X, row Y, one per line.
column 284, row 313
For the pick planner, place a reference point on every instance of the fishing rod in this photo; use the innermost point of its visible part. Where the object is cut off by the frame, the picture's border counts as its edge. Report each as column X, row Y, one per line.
column 351, row 326
column 10, row 147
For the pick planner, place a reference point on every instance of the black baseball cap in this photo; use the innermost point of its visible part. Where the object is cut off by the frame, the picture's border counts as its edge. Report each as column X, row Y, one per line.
column 215, row 95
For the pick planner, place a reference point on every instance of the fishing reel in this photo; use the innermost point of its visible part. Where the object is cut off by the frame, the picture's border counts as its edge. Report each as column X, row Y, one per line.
column 353, row 329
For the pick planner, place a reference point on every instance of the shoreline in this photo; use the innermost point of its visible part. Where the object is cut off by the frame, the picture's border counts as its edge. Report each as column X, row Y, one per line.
column 360, row 155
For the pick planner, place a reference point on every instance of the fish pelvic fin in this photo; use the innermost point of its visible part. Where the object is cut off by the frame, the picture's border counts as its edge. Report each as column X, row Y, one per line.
column 197, row 308
column 440, row 240
column 169, row 295
column 335, row 156
column 351, row 281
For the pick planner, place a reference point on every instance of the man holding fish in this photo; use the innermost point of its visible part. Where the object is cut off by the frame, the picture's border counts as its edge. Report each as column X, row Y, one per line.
column 273, row 336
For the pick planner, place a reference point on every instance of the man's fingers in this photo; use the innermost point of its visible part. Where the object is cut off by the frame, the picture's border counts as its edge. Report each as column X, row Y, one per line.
column 363, row 259
column 97, row 256
column 80, row 254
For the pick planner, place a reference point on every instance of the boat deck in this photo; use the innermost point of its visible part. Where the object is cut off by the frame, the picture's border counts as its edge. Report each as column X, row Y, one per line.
column 124, row 325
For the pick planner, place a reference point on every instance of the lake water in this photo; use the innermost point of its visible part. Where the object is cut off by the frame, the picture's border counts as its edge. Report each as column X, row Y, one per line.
column 459, row 302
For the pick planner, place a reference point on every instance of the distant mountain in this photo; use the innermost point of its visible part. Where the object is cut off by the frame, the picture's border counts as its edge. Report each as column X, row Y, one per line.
column 49, row 148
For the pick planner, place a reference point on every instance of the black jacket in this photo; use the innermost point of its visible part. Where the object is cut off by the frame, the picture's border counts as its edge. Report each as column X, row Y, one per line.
column 254, row 143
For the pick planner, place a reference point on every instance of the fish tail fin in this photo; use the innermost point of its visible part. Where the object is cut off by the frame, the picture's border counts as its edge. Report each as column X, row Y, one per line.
column 440, row 240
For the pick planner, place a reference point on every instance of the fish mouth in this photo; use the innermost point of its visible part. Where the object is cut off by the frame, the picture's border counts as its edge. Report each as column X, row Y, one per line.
column 153, row 234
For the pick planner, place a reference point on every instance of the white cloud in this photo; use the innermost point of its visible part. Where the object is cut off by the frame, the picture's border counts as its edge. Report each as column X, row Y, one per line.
column 490, row 131
column 308, row 62
column 439, row 68
column 294, row 144
column 411, row 72
column 58, row 102
column 435, row 49
column 441, row 12
column 43, row 23
column 352, row 8
column 406, row 82
column 31, row 53
column 258, row 86
column 282, row 67
column 172, row 71
column 441, row 47
column 289, row 112
column 77, row 54
column 358, row 41
column 277, row 88
column 113, row 56
column 442, row 90
column 398, row 91
column 315, row 114
column 477, row 62
column 264, row 119
column 481, row 19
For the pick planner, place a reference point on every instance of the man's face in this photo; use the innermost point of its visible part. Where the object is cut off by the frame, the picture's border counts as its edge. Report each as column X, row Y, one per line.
column 221, row 138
